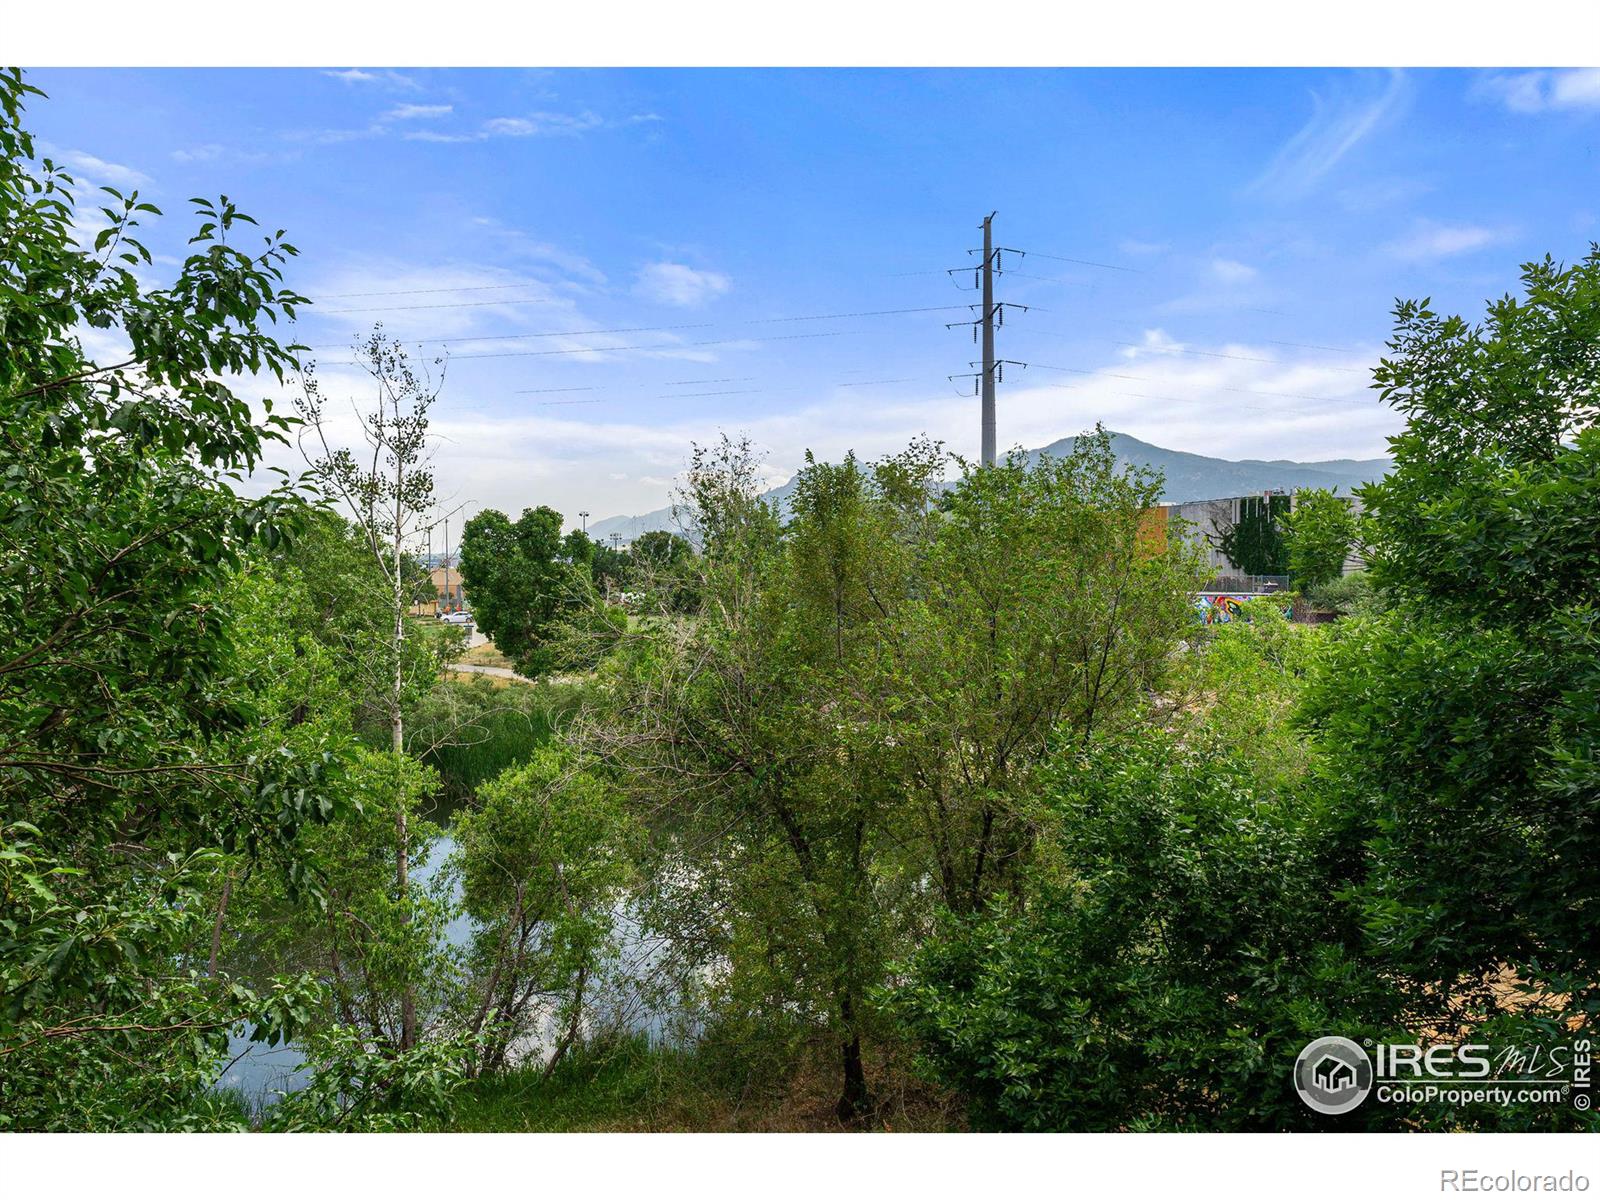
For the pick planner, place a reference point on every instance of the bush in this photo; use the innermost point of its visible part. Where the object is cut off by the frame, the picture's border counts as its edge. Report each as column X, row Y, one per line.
column 1177, row 953
column 1349, row 595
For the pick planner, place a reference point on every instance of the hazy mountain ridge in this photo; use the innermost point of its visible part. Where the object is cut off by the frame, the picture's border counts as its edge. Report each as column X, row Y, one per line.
column 1187, row 477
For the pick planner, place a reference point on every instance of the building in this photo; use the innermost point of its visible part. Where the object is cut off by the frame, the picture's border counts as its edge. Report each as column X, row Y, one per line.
column 448, row 593
column 1201, row 521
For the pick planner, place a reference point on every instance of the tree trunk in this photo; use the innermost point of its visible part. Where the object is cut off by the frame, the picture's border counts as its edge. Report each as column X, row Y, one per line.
column 856, row 1101
column 402, row 869
column 222, row 915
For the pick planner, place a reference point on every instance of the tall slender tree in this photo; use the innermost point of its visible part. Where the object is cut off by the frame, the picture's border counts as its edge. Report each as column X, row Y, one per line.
column 388, row 492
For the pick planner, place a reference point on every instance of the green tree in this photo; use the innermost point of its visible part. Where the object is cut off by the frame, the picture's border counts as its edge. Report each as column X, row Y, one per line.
column 135, row 757
column 1320, row 531
column 1463, row 721
column 662, row 568
column 390, row 503
column 543, row 860
column 856, row 710
column 525, row 584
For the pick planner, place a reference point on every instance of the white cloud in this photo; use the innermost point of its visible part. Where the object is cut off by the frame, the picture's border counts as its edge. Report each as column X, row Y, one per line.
column 1431, row 239
column 525, row 245
column 101, row 171
column 1142, row 249
column 1228, row 271
column 679, row 285
column 392, row 79
column 1316, row 407
column 1543, row 91
column 543, row 123
column 414, row 112
column 1230, row 400
column 531, row 125
column 209, row 152
column 334, row 137
column 1338, row 124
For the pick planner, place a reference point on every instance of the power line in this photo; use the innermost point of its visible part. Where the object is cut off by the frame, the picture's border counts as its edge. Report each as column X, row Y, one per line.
column 451, row 304
column 1146, row 379
column 517, row 337
column 1050, row 278
column 478, row 287
column 1218, row 354
column 1083, row 262
column 658, row 346
column 509, row 337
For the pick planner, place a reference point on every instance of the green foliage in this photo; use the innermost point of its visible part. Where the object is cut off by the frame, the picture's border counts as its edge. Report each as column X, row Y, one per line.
column 374, row 944
column 1239, row 686
column 1348, row 595
column 356, row 1086
column 136, row 753
column 1462, row 723
column 1255, row 543
column 857, row 709
column 543, row 858
column 1320, row 532
column 625, row 1085
column 1176, row 951
column 526, row 582
column 663, row 569
column 470, row 731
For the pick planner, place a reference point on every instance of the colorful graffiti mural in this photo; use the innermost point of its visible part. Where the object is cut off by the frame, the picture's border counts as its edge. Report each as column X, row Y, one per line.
column 1220, row 609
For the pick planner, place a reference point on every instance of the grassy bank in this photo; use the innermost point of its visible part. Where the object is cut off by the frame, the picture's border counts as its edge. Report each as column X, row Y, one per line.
column 631, row 1086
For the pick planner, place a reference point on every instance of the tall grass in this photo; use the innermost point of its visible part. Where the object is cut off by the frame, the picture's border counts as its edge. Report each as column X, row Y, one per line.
column 470, row 731
column 617, row 1085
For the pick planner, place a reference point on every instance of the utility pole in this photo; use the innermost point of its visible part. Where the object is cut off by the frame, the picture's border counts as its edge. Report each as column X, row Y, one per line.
column 991, row 315
column 987, row 378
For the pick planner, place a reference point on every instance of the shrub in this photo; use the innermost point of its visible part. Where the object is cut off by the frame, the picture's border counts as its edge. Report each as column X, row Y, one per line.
column 1178, row 951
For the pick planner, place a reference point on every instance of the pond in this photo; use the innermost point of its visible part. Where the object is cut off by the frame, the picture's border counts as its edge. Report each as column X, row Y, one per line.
column 259, row 1074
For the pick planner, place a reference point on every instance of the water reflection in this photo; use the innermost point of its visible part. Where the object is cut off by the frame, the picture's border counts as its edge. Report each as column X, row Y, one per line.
column 260, row 1074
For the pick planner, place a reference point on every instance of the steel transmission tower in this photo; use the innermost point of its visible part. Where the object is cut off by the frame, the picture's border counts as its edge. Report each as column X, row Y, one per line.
column 990, row 316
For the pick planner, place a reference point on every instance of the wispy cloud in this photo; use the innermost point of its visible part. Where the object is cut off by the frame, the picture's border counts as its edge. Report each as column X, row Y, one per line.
column 1228, row 271
column 679, row 285
column 98, row 170
column 522, row 244
column 541, row 124
column 531, row 125
column 385, row 78
column 1432, row 239
column 209, row 152
column 1340, row 121
column 418, row 112
column 1142, row 249
column 1375, row 195
column 335, row 137
column 1577, row 88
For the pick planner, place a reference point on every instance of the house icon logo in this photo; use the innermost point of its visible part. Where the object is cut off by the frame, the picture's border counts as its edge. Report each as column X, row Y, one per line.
column 1333, row 1075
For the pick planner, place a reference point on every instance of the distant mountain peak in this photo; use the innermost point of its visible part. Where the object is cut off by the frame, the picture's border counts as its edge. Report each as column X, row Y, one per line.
column 1187, row 477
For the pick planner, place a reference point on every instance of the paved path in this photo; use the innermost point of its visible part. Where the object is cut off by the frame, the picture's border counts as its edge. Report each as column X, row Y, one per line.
column 497, row 672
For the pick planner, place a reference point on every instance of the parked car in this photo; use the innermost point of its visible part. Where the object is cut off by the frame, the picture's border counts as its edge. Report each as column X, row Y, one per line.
column 462, row 617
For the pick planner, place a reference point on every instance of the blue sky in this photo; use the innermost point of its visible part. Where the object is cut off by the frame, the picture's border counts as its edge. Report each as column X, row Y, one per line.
column 1253, row 228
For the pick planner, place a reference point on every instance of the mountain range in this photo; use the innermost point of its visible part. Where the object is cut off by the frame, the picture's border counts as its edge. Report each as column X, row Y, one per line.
column 1187, row 477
